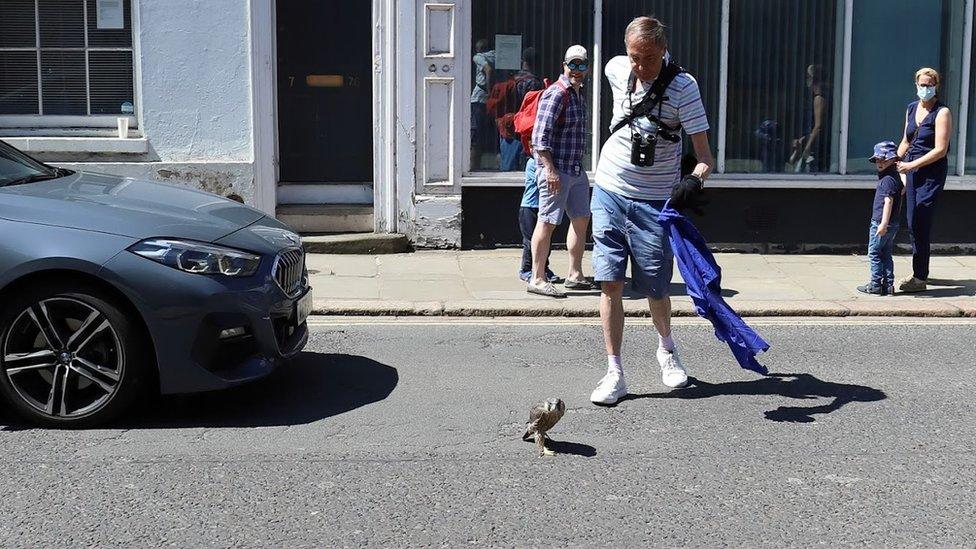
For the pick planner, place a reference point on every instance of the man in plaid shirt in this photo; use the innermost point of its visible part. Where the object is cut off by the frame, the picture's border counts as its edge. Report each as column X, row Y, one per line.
column 558, row 141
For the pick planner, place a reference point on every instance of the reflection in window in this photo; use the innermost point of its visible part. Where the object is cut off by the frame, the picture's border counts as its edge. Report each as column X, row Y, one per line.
column 971, row 131
column 782, row 91
column 694, row 40
column 882, row 69
column 514, row 45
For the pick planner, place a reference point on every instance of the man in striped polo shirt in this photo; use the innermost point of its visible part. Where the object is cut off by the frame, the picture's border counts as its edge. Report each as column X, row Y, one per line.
column 628, row 198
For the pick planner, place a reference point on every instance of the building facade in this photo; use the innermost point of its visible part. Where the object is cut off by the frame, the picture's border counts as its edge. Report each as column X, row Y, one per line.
column 373, row 115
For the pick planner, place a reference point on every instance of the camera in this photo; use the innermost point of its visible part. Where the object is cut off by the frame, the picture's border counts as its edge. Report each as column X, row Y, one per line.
column 642, row 147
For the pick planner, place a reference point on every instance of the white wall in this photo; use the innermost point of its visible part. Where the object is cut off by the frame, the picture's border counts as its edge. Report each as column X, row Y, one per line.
column 195, row 61
column 194, row 98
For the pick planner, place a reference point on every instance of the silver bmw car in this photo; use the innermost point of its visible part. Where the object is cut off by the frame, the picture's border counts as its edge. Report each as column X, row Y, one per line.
column 111, row 287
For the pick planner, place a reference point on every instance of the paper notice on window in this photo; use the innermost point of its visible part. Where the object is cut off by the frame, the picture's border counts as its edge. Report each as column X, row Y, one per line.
column 110, row 14
column 508, row 51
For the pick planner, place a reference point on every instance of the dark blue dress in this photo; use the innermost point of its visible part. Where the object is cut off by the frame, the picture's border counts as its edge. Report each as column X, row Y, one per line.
column 924, row 186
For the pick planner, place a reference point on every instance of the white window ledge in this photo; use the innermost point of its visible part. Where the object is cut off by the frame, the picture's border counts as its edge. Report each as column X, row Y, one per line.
column 93, row 145
column 738, row 181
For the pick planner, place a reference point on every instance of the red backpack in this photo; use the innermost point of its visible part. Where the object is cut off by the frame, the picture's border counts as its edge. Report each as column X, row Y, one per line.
column 525, row 117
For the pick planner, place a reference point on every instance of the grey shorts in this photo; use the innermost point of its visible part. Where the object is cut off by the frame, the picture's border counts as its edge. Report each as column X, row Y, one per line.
column 573, row 197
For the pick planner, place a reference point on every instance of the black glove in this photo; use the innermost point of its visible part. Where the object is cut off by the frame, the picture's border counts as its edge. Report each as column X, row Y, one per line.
column 688, row 194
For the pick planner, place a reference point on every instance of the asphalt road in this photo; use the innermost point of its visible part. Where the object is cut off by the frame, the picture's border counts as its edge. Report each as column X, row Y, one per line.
column 389, row 433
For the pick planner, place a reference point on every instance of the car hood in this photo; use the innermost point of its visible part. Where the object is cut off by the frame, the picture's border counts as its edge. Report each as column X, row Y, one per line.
column 126, row 207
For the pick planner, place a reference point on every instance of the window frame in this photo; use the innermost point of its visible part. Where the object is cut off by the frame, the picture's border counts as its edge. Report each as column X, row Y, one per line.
column 958, row 179
column 97, row 124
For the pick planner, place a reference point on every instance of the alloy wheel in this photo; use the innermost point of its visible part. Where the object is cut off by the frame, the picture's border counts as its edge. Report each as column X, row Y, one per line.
column 63, row 358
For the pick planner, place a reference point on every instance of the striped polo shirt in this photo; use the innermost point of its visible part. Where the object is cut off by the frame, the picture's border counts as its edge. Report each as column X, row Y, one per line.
column 683, row 105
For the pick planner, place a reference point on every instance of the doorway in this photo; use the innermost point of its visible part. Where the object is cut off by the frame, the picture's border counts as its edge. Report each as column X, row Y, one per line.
column 325, row 101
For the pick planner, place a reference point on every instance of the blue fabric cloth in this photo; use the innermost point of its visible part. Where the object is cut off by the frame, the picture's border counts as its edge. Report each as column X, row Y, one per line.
column 703, row 280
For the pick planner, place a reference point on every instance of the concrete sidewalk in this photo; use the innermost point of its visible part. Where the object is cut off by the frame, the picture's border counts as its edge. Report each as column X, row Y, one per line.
column 485, row 283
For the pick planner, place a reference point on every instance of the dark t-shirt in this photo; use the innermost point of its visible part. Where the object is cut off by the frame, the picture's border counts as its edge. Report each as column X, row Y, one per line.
column 889, row 184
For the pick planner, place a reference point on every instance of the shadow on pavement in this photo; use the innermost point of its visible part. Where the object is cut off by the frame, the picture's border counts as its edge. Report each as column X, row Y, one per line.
column 949, row 288
column 795, row 386
column 676, row 288
column 310, row 387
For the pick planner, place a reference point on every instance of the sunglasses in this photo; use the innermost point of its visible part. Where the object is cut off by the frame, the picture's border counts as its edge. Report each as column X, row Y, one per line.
column 577, row 66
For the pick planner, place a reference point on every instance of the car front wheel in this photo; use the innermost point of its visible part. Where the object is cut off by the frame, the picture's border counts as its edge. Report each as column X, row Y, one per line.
column 70, row 356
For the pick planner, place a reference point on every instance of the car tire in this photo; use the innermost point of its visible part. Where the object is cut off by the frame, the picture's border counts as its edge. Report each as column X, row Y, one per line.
column 71, row 355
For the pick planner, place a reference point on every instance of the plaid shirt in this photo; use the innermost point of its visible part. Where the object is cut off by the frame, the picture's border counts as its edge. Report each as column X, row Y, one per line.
column 560, row 126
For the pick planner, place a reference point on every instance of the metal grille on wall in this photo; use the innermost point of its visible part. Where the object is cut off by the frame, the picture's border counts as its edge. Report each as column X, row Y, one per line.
column 66, row 58
column 694, row 32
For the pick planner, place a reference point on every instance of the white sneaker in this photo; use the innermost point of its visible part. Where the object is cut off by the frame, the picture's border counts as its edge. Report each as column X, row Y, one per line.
column 672, row 372
column 610, row 389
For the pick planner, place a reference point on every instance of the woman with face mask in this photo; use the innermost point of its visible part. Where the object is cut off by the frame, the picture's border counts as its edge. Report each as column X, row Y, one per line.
column 923, row 151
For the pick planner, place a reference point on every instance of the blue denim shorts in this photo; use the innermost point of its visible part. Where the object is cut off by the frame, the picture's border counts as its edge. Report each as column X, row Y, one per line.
column 622, row 228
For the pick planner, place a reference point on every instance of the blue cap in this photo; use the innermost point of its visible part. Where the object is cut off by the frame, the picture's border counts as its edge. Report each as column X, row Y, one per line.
column 886, row 150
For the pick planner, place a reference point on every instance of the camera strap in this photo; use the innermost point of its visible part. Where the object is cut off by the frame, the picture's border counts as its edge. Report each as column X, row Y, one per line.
column 653, row 98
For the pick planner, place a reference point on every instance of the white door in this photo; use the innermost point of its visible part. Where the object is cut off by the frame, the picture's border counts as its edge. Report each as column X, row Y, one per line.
column 442, row 104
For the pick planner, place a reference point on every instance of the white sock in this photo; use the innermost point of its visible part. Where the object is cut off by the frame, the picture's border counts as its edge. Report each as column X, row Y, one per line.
column 614, row 366
column 665, row 342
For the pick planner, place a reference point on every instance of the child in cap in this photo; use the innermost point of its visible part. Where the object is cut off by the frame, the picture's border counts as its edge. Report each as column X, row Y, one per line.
column 528, row 216
column 884, row 221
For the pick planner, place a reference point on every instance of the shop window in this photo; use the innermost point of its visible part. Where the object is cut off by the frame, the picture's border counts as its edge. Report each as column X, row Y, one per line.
column 70, row 59
column 783, row 86
column 971, row 130
column 883, row 64
column 519, row 39
column 694, row 41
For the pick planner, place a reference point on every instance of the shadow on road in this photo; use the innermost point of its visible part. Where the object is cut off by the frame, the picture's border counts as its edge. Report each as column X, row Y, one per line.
column 310, row 387
column 795, row 386
column 575, row 448
column 566, row 447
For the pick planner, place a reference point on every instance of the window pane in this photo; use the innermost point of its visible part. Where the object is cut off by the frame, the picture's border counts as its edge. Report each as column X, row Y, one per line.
column 18, row 82
column 971, row 131
column 63, row 82
column 694, row 36
column 111, row 82
column 109, row 38
column 546, row 26
column 882, row 78
column 62, row 23
column 17, row 29
column 783, row 86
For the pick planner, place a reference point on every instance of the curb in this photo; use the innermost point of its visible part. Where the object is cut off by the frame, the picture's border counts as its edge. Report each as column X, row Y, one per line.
column 638, row 309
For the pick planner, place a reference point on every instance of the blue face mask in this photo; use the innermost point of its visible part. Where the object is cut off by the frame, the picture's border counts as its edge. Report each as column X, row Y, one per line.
column 926, row 92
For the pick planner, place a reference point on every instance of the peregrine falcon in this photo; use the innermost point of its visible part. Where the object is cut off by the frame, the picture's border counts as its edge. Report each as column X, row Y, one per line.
column 543, row 417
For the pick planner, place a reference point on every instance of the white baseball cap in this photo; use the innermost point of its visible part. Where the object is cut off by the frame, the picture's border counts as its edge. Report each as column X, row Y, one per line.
column 575, row 52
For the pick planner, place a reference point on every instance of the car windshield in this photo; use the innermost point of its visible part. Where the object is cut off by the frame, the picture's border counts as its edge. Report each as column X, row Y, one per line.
column 16, row 166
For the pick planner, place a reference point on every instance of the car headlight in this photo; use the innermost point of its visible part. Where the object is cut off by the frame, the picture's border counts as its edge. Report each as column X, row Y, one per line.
column 197, row 257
